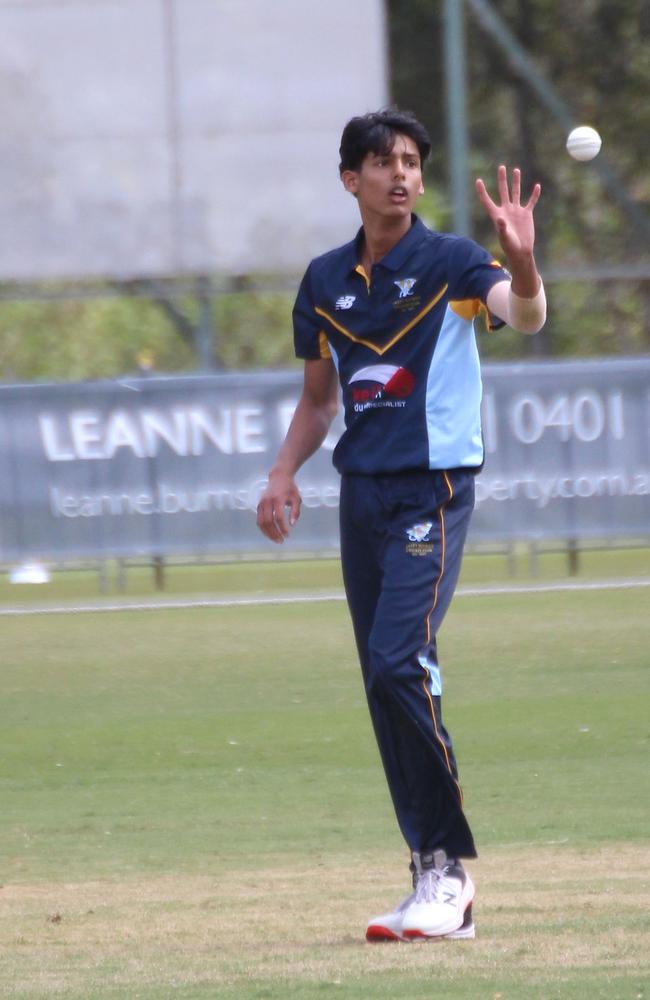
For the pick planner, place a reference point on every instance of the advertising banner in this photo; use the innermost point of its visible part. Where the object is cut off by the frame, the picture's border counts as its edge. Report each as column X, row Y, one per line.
column 165, row 466
column 567, row 448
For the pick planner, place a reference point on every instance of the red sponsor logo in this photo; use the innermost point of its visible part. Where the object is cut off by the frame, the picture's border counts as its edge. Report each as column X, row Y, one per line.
column 366, row 394
column 401, row 384
column 380, row 382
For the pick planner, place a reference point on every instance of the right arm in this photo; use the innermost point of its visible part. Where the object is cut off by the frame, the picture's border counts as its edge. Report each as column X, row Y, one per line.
column 315, row 411
column 521, row 303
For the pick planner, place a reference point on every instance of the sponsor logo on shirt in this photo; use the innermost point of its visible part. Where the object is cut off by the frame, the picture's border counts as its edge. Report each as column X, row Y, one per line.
column 381, row 386
column 345, row 302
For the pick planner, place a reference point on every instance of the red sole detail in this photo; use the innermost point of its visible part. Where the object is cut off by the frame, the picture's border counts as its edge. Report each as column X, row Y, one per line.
column 377, row 934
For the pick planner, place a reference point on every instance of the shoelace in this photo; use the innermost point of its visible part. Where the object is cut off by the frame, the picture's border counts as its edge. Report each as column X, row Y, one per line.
column 430, row 885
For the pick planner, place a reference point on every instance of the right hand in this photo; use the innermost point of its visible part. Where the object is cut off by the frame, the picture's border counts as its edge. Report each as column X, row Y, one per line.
column 512, row 220
column 281, row 495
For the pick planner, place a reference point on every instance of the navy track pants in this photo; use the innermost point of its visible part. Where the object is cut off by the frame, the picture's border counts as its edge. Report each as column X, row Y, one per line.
column 402, row 539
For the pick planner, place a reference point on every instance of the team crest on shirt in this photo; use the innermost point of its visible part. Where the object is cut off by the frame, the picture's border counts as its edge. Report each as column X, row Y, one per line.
column 406, row 301
column 405, row 286
column 345, row 302
column 419, row 543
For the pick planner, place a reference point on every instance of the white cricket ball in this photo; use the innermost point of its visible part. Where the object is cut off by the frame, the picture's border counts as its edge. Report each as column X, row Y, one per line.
column 584, row 143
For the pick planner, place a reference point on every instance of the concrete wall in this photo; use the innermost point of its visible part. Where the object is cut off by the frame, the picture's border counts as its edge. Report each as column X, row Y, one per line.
column 161, row 137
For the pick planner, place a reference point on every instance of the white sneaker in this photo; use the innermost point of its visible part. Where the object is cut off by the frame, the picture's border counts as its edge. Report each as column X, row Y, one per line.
column 389, row 926
column 442, row 904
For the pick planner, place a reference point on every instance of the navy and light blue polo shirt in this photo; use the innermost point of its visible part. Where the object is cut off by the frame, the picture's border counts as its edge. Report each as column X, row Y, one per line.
column 403, row 342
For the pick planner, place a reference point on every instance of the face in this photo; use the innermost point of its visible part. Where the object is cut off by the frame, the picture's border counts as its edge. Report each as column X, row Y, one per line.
column 389, row 185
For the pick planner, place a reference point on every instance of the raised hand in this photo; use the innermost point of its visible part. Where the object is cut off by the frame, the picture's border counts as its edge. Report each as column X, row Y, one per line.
column 513, row 221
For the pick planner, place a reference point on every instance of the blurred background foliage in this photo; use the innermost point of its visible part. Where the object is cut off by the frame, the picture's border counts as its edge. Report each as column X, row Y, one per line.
column 594, row 255
column 596, row 56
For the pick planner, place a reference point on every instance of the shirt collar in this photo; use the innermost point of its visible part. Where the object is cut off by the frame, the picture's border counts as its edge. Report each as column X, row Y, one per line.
column 397, row 255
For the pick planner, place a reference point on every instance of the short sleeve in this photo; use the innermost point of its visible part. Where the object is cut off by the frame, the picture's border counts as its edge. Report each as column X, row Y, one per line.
column 472, row 273
column 309, row 339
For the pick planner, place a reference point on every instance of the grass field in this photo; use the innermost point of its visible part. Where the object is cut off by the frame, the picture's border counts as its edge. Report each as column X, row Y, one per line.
column 192, row 804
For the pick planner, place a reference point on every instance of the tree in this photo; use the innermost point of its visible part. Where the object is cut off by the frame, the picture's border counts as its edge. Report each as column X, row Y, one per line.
column 595, row 54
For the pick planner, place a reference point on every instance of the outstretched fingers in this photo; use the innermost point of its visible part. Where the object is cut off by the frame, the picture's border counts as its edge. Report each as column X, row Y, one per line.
column 508, row 196
column 534, row 198
column 502, row 183
column 484, row 197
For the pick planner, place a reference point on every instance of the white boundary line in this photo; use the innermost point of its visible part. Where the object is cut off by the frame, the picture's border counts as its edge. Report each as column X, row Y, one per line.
column 163, row 604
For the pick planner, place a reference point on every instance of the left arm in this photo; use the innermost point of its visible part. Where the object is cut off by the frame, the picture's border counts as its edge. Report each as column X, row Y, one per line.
column 521, row 303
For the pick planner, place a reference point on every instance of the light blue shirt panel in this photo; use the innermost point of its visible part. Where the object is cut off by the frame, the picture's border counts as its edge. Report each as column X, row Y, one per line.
column 453, row 399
